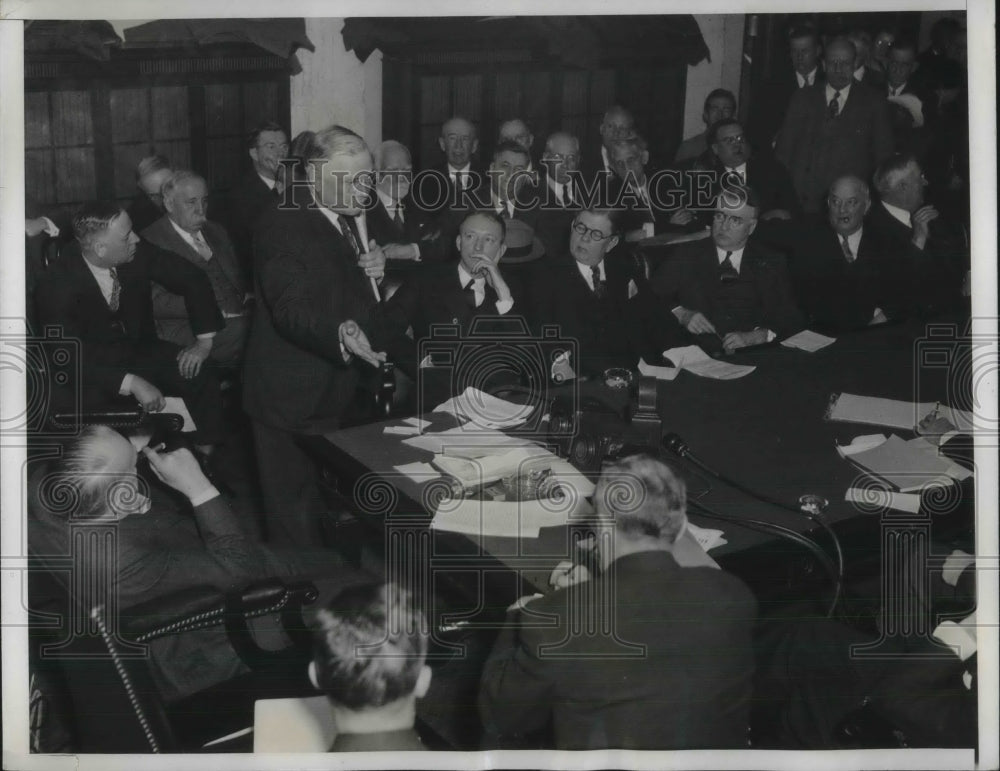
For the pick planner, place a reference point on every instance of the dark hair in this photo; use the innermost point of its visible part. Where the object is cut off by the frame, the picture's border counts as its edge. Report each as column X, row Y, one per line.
column 510, row 146
column 92, row 218
column 744, row 194
column 944, row 31
column 254, row 135
column 804, row 29
column 370, row 645
column 151, row 164
column 491, row 215
column 614, row 216
column 713, row 131
column 903, row 44
column 717, row 93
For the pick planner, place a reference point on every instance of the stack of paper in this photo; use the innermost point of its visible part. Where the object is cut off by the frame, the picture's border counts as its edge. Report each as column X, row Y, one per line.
column 660, row 373
column 485, row 410
column 694, row 359
column 852, row 408
column 903, row 465
column 809, row 341
column 175, row 405
column 476, row 472
column 464, row 443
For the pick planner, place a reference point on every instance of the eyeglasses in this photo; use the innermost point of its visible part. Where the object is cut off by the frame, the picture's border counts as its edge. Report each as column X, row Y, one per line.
column 732, row 140
column 272, row 146
column 571, row 157
column 595, row 235
column 729, row 219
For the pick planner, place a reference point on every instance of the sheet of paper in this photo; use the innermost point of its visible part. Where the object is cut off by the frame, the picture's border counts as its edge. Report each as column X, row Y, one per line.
column 418, row 422
column 686, row 355
column 418, row 472
column 904, row 466
column 467, row 442
column 876, row 411
column 401, row 430
column 719, row 370
column 293, row 725
column 860, row 444
column 660, row 373
column 954, row 470
column 707, row 538
column 475, row 472
column 176, row 406
column 807, row 340
column 519, row 519
column 961, row 636
column 872, row 498
column 485, row 410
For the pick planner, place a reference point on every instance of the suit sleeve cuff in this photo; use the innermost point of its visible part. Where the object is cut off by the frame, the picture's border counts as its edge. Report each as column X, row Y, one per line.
column 416, row 252
column 204, row 496
column 126, row 387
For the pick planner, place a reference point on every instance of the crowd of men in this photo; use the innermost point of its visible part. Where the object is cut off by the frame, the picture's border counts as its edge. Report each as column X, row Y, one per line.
column 331, row 259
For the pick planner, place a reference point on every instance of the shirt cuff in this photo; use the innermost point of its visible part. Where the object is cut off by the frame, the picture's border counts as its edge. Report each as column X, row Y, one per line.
column 503, row 306
column 126, row 387
column 206, row 335
column 416, row 249
column 50, row 227
column 204, row 496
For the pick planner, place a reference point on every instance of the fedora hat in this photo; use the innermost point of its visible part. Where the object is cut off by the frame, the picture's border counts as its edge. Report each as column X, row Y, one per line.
column 522, row 244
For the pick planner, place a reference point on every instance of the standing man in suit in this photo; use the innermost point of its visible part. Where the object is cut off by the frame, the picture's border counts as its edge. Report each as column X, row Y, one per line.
column 845, row 277
column 147, row 206
column 186, row 231
column 732, row 155
column 507, row 190
column 598, row 297
column 833, row 129
column 393, row 221
column 308, row 349
column 100, row 292
column 257, row 190
column 719, row 104
column 459, row 141
column 863, row 71
column 674, row 669
column 558, row 192
column 770, row 101
column 617, row 123
column 729, row 292
column 936, row 251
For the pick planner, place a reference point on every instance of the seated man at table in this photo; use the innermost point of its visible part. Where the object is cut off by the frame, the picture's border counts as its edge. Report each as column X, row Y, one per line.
column 474, row 289
column 844, row 275
column 730, row 292
column 368, row 658
column 597, row 296
column 674, row 670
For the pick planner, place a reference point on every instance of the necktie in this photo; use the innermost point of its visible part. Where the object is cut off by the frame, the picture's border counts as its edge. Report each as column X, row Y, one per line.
column 600, row 287
column 846, row 248
column 201, row 246
column 727, row 271
column 833, row 109
column 470, row 293
column 567, row 191
column 116, row 290
column 460, row 180
column 397, row 218
column 347, row 226
column 739, row 176
column 504, row 212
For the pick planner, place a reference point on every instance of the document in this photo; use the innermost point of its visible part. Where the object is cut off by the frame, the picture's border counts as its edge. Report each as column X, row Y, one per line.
column 860, row 444
column 302, row 724
column 695, row 360
column 660, row 373
column 903, row 465
column 401, row 430
column 706, row 537
column 503, row 519
column 175, row 405
column 809, row 341
column 418, row 472
column 853, row 408
column 464, row 443
column 476, row 472
column 485, row 410
column 420, row 423
column 874, row 498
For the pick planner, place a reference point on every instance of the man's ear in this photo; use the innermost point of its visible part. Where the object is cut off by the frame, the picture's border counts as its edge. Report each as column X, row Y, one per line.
column 423, row 682
column 312, row 675
column 441, row 144
column 501, row 251
column 474, row 146
column 753, row 227
column 612, row 243
column 253, row 154
column 168, row 203
column 645, row 157
column 458, row 243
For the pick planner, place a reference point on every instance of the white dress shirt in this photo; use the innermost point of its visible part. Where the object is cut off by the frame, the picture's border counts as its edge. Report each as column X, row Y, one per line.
column 741, row 170
column 841, row 100
column 588, row 274
column 479, row 289
column 900, row 214
column 362, row 230
column 735, row 257
column 392, row 207
column 898, row 91
column 559, row 189
column 466, row 170
column 853, row 241
column 193, row 241
column 804, row 80
column 269, row 182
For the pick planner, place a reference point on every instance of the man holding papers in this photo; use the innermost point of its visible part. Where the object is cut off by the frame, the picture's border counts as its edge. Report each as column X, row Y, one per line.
column 673, row 669
column 727, row 291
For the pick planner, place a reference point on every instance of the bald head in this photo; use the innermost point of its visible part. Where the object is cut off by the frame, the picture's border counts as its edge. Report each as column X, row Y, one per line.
column 838, row 62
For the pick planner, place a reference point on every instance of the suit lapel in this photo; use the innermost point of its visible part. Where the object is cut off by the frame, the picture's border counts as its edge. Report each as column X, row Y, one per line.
column 225, row 257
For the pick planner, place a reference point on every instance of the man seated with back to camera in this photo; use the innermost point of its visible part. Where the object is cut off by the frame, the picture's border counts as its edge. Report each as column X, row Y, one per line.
column 676, row 669
column 728, row 291
column 457, row 294
column 596, row 294
column 162, row 549
column 369, row 659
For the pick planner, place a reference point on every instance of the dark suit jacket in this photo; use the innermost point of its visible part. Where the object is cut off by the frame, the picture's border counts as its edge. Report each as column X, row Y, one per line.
column 554, row 220
column 690, row 278
column 69, row 297
column 143, row 212
column 681, row 678
column 384, row 230
column 769, row 179
column 816, row 149
column 836, row 295
column 248, row 200
column 931, row 279
column 769, row 103
column 614, row 331
column 308, row 283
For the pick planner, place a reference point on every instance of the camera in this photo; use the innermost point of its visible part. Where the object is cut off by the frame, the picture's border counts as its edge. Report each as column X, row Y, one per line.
column 497, row 355
column 50, row 365
column 590, row 431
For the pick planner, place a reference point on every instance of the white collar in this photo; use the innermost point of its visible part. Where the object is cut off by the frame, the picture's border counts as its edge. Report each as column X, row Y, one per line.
column 741, row 169
column 330, row 215
column 900, row 214
column 464, row 278
column 588, row 274
column 190, row 238
column 452, row 171
column 735, row 256
column 854, row 241
column 389, row 204
column 806, row 79
column 269, row 182
column 830, row 91
column 859, row 73
column 605, row 158
column 896, row 90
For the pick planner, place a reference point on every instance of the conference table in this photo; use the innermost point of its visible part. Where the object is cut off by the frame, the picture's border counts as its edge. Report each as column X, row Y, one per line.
column 766, row 430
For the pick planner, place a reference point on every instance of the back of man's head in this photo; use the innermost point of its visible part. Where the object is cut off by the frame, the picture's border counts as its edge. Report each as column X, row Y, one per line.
column 644, row 497
column 369, row 648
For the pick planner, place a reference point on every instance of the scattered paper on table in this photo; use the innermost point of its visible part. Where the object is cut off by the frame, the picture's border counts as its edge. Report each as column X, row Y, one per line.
column 175, row 405
column 660, row 373
column 401, row 430
column 418, row 472
column 904, row 466
column 485, row 410
column 418, row 422
column 954, row 470
column 465, row 443
column 874, row 498
column 707, row 538
column 876, row 411
column 860, row 444
column 517, row 519
column 960, row 635
column 695, row 360
column 807, row 340
column 475, row 472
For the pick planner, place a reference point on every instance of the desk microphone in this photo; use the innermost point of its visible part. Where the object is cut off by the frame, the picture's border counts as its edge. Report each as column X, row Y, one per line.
column 676, row 445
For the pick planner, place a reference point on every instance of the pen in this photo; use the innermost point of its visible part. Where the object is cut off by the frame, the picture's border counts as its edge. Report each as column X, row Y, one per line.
column 937, row 408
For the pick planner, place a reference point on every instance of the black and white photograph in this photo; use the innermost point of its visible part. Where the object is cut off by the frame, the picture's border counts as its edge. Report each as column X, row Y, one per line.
column 479, row 386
